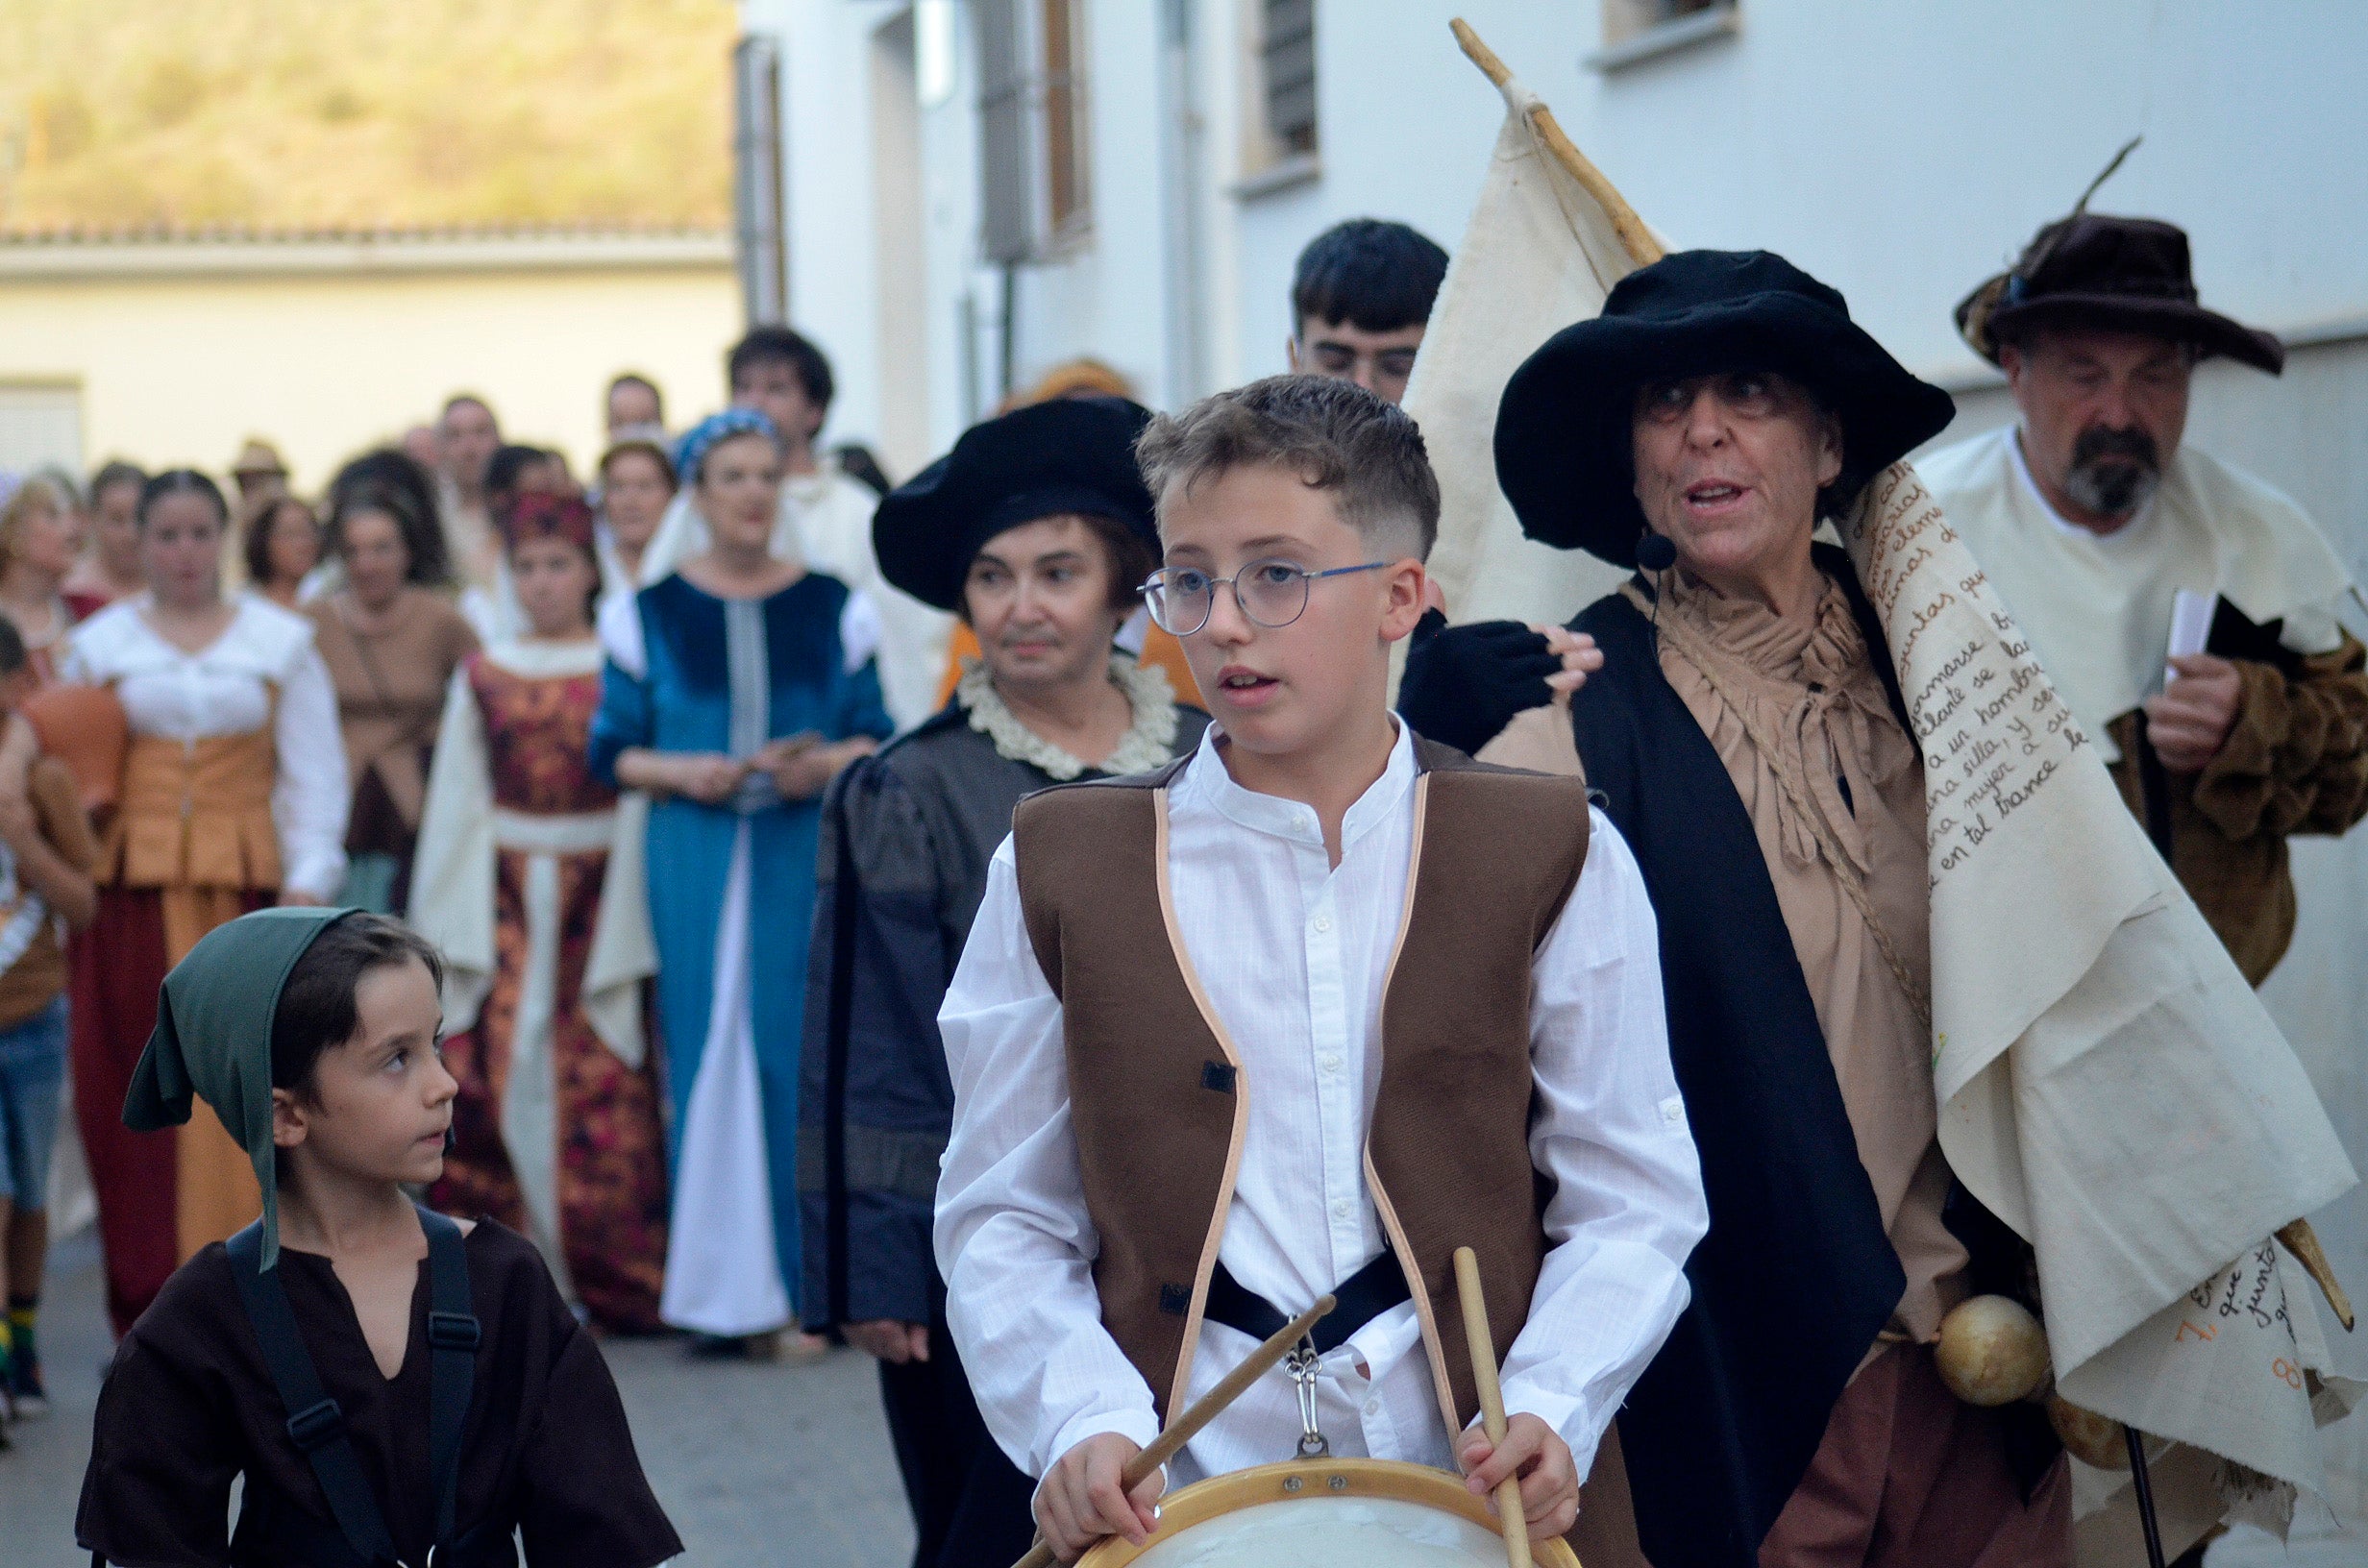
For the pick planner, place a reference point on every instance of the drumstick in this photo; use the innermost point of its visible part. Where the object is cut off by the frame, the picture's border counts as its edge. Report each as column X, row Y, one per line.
column 1492, row 1401
column 1202, row 1411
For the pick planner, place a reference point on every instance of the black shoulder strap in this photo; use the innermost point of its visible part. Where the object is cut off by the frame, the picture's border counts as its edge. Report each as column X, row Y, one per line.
column 315, row 1422
column 453, row 1337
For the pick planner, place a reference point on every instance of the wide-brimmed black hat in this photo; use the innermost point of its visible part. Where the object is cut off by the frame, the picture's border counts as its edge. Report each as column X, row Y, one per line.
column 1563, row 444
column 1070, row 455
column 2129, row 273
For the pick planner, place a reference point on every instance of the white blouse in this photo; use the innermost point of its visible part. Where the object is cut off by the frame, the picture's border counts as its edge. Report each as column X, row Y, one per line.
column 226, row 689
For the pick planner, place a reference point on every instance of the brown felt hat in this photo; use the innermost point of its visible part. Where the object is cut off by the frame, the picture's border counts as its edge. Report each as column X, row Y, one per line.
column 2126, row 274
column 257, row 457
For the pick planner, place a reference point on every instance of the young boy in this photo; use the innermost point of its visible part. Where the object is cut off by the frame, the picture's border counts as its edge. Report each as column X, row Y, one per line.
column 824, row 518
column 47, row 852
column 1181, row 1110
column 374, row 1420
column 1361, row 299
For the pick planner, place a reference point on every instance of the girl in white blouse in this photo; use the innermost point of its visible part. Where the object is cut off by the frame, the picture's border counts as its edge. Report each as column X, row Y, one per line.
column 232, row 795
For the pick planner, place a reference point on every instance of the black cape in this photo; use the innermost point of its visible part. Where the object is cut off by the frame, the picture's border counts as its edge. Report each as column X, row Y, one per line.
column 1797, row 1275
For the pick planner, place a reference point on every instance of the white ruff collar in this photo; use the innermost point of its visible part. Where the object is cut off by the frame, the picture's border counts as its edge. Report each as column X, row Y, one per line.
column 1146, row 746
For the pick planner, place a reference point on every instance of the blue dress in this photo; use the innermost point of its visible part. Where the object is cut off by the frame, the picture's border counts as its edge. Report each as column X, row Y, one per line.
column 731, row 901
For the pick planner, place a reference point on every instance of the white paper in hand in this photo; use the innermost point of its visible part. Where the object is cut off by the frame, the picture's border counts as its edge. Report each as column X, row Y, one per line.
column 2191, row 616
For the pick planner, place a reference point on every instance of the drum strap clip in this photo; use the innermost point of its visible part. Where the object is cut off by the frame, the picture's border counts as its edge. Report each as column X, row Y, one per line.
column 1303, row 1364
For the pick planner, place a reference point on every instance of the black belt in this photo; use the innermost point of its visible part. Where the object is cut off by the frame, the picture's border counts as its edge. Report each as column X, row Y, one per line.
column 1359, row 1299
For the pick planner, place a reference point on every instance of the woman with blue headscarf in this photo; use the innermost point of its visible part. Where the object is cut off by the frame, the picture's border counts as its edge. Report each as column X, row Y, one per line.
column 736, row 688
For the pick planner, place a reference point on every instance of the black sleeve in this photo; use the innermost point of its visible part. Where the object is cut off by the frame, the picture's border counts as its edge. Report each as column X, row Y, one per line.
column 876, row 1103
column 163, row 1450
column 1463, row 684
column 583, row 1501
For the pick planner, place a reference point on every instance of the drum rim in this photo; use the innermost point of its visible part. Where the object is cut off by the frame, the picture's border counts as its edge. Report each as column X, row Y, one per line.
column 1390, row 1479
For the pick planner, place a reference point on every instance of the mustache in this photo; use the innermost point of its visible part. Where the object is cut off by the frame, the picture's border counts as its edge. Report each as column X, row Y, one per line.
column 2098, row 444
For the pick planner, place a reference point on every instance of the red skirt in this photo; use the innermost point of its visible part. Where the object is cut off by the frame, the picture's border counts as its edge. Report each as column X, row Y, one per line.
column 161, row 1195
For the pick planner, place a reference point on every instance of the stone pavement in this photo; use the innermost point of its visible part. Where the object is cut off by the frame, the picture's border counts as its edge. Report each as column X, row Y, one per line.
column 758, row 1465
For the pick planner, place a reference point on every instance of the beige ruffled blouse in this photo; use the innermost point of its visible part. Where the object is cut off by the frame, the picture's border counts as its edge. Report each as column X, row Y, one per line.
column 1834, row 789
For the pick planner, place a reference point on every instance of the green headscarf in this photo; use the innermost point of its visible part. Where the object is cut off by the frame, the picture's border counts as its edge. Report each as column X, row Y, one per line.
column 214, row 1037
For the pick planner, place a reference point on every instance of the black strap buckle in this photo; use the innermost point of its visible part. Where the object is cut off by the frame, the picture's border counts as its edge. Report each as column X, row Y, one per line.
column 317, row 1427
column 453, row 1330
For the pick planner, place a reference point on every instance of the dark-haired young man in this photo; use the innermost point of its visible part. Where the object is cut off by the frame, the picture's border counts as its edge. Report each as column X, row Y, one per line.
column 1360, row 299
column 826, row 515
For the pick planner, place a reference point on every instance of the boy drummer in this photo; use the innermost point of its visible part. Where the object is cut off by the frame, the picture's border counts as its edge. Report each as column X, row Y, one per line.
column 1182, row 1112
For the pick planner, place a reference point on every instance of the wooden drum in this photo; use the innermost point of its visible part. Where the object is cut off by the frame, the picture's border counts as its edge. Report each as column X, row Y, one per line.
column 1324, row 1514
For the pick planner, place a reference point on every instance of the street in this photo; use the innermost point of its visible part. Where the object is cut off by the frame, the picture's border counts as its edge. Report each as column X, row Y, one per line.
column 757, row 1464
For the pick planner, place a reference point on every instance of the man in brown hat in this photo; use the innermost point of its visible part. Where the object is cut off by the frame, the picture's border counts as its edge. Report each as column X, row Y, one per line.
column 2186, row 610
column 262, row 478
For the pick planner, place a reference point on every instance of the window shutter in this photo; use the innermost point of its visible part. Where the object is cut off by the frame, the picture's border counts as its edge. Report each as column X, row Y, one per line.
column 1289, row 54
column 1005, row 205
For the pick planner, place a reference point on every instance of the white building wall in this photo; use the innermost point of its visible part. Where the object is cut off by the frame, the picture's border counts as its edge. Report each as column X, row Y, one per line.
column 1899, row 152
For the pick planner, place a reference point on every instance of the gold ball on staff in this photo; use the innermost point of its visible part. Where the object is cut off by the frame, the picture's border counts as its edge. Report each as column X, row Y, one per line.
column 2087, row 1436
column 1992, row 1351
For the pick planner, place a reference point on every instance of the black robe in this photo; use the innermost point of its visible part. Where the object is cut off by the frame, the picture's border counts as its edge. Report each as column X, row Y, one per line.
column 907, row 835
column 1797, row 1274
column 189, row 1404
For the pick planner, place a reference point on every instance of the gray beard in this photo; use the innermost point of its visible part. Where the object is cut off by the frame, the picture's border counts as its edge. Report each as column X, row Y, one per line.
column 2113, row 487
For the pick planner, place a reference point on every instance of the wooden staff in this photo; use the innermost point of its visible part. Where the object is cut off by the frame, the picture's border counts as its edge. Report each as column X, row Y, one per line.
column 1202, row 1410
column 1639, row 241
column 1508, row 1512
column 2303, row 1243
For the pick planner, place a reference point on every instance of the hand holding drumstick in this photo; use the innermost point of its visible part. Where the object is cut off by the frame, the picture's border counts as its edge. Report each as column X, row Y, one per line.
column 1105, row 1490
column 1523, row 1463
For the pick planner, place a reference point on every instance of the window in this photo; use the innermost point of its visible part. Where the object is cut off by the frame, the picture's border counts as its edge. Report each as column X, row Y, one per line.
column 1287, row 53
column 1034, row 127
column 40, row 425
column 1637, row 30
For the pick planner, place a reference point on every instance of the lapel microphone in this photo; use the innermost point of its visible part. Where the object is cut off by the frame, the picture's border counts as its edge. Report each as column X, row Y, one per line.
column 1656, row 554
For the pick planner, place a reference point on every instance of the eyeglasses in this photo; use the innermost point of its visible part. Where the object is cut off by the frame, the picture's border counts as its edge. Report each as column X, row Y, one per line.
column 1270, row 594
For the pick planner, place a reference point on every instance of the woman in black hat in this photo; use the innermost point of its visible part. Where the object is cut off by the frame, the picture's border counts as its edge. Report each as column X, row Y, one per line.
column 1748, row 737
column 1035, row 529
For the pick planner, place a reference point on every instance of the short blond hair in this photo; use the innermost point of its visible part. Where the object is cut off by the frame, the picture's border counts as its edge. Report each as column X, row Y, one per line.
column 39, row 492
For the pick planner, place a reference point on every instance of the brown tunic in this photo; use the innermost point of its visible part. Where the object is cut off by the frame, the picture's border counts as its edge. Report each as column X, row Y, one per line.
column 1799, row 715
column 189, row 1404
column 390, row 696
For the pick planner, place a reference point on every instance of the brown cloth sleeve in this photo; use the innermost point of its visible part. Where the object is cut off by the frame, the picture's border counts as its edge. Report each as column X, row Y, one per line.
column 583, row 1497
column 164, row 1446
column 2296, row 760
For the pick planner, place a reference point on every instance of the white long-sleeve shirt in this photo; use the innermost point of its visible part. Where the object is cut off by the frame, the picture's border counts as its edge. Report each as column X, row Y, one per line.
column 226, row 689
column 1294, row 953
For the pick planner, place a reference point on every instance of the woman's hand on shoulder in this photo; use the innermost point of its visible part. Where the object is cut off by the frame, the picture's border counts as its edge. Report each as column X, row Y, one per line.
column 1463, row 684
column 1580, row 656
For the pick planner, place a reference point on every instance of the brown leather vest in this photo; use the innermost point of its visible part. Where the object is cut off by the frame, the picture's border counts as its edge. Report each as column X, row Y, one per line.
column 195, row 814
column 1158, row 1090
